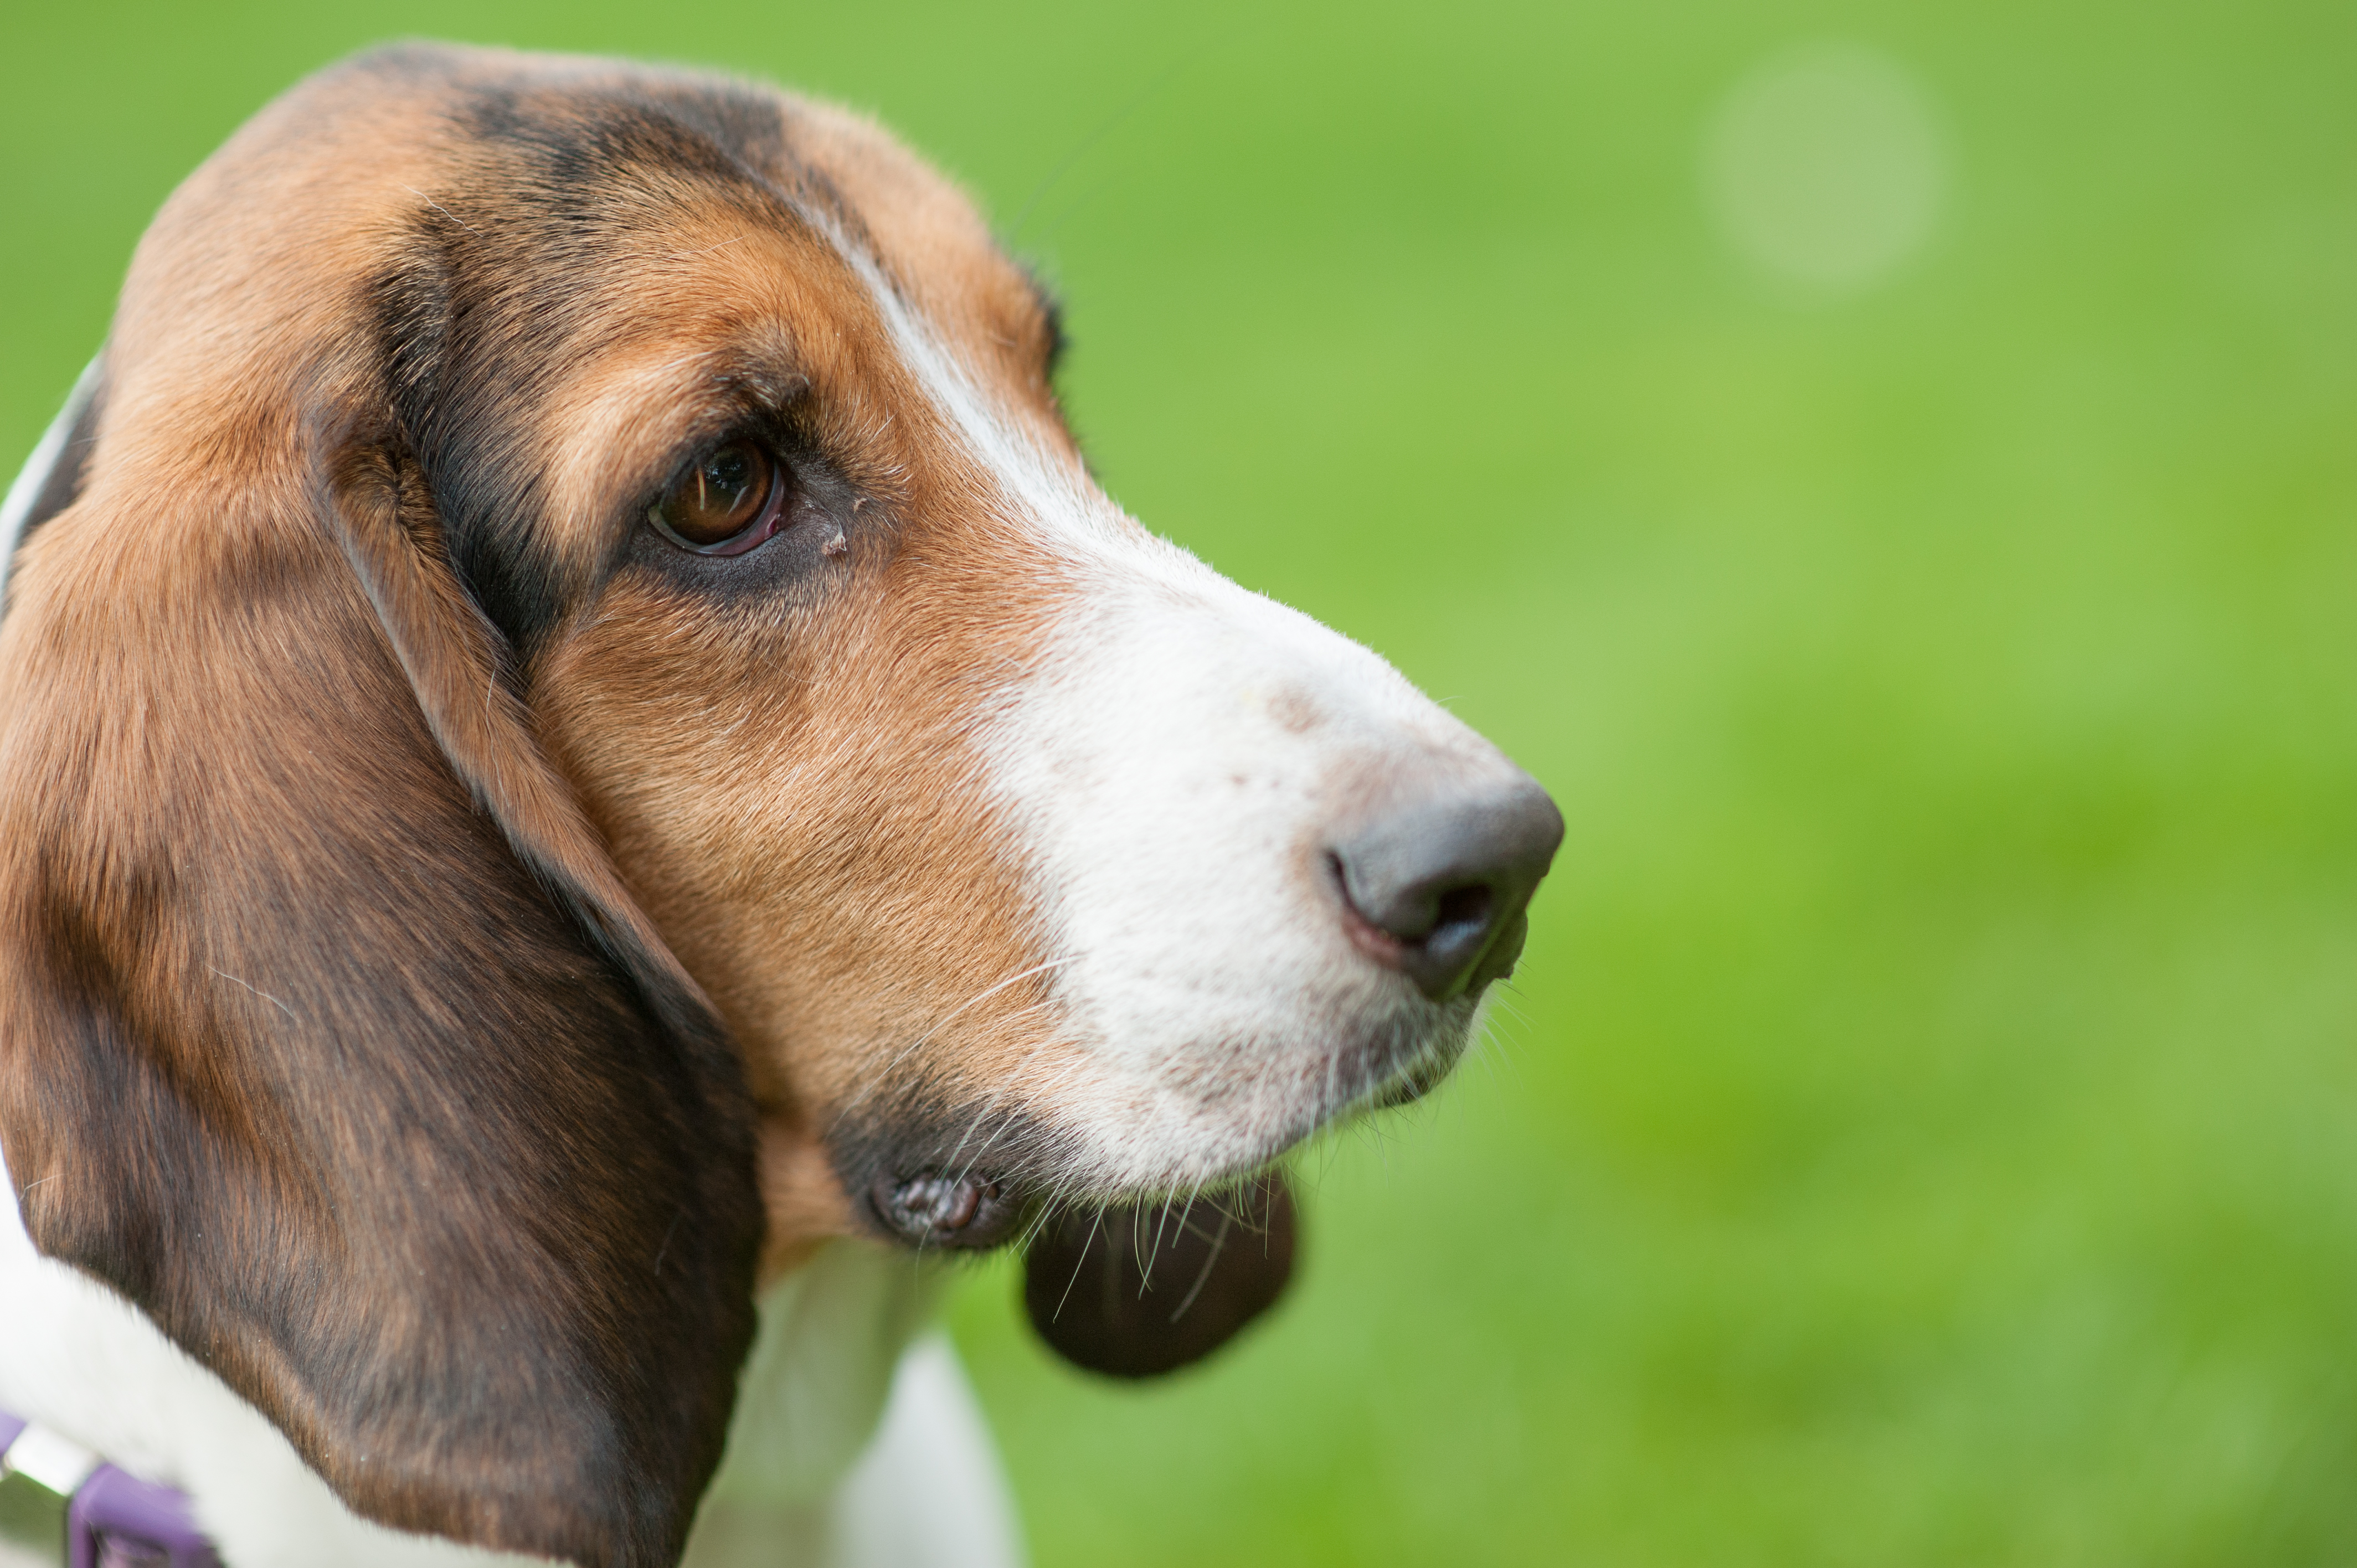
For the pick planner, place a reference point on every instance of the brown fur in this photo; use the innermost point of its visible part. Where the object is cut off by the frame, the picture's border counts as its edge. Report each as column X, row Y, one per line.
column 435, row 922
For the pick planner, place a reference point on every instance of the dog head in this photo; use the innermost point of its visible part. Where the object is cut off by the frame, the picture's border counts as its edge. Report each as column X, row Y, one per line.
column 576, row 723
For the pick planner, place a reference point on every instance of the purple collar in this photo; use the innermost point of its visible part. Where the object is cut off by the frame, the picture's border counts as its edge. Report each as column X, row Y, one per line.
column 58, row 1498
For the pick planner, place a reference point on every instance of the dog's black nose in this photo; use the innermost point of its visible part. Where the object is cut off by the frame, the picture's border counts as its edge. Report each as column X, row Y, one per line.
column 1441, row 884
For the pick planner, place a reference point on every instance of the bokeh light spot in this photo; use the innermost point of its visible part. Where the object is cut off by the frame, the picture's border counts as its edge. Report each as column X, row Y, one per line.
column 1826, row 166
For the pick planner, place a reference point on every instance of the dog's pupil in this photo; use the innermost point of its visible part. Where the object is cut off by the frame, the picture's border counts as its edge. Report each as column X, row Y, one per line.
column 722, row 495
column 728, row 471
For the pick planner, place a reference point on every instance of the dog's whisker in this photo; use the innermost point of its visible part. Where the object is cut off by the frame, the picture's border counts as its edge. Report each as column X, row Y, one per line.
column 1078, row 1263
column 1203, row 1275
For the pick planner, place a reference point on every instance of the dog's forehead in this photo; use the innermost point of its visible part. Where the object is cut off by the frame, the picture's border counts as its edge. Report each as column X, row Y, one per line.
column 611, row 168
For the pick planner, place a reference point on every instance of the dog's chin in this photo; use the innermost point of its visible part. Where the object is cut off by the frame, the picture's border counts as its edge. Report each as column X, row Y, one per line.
column 920, row 1185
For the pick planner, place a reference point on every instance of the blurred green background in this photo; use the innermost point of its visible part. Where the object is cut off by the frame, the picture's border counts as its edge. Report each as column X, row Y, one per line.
column 1922, row 1132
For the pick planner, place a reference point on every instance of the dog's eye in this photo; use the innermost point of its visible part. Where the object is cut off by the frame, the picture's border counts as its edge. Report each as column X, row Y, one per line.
column 728, row 502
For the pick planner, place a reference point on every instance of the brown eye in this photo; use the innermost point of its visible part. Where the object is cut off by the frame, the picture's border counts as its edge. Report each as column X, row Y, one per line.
column 726, row 504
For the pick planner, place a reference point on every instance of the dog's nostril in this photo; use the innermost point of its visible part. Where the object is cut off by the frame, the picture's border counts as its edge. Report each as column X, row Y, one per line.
column 1463, row 907
column 1439, row 883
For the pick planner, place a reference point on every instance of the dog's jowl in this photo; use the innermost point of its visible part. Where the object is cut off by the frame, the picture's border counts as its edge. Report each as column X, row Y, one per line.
column 588, row 786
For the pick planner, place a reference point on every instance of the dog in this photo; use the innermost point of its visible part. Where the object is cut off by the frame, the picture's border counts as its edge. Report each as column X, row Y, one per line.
column 579, row 750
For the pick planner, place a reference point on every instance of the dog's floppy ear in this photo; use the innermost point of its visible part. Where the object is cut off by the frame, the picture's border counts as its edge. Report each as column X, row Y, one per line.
column 328, row 1035
column 1135, row 1291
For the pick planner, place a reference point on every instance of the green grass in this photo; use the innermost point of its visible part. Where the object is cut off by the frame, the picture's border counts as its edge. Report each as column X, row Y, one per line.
column 1924, row 1130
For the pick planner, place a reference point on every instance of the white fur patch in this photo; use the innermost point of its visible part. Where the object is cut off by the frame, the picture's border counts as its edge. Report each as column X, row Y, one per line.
column 958, row 1513
column 1176, row 765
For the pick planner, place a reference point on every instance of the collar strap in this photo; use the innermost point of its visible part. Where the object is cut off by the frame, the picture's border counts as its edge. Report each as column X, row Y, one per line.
column 33, row 479
column 59, row 1500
